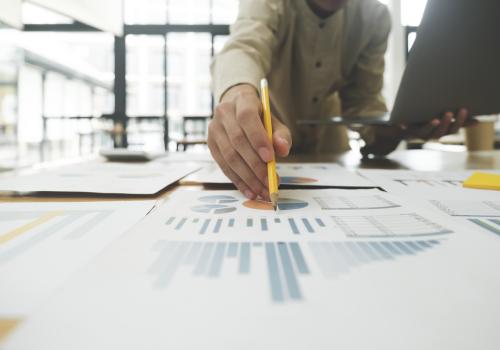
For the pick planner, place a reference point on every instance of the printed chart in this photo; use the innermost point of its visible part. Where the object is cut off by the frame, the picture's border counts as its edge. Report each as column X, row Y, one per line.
column 355, row 202
column 43, row 244
column 285, row 261
column 484, row 214
column 311, row 213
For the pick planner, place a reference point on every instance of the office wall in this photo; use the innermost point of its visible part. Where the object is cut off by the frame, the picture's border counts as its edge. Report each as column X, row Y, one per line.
column 106, row 15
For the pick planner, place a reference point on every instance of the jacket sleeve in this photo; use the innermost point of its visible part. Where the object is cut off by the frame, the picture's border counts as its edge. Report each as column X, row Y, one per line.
column 247, row 55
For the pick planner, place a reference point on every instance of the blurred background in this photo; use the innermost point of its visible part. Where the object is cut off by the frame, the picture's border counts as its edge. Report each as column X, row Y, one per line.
column 79, row 76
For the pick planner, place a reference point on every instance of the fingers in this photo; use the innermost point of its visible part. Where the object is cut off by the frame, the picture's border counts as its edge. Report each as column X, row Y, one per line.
column 241, row 144
column 235, row 179
column 282, row 139
column 460, row 120
column 443, row 127
column 423, row 132
column 232, row 160
column 437, row 128
column 248, row 117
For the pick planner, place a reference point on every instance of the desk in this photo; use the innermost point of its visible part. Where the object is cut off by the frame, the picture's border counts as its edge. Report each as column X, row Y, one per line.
column 411, row 159
column 423, row 160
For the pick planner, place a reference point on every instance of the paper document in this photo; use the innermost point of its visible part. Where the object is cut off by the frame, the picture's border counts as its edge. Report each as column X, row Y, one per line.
column 101, row 177
column 419, row 183
column 332, row 269
column 295, row 174
column 43, row 244
column 479, row 210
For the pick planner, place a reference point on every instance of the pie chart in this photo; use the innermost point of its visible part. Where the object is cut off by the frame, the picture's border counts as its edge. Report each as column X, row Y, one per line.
column 296, row 180
column 283, row 204
column 213, row 209
column 218, row 199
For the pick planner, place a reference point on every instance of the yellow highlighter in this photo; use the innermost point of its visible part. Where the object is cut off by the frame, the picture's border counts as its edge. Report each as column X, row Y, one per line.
column 271, row 166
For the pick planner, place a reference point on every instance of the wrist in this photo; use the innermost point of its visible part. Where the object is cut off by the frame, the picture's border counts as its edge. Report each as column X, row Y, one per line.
column 239, row 90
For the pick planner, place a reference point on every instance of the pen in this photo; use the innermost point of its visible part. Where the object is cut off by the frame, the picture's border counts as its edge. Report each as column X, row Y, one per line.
column 271, row 166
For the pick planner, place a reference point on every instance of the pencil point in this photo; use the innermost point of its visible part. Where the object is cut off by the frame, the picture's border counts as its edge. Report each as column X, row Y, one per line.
column 274, row 201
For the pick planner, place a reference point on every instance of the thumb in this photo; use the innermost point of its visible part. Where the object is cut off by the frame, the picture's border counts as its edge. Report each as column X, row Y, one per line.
column 282, row 138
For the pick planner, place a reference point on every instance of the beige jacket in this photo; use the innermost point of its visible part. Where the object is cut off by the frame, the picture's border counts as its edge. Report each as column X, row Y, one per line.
column 316, row 67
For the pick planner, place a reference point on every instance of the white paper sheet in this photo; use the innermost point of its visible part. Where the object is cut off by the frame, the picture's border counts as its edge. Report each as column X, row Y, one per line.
column 168, row 285
column 295, row 174
column 43, row 244
column 101, row 177
column 475, row 209
column 420, row 183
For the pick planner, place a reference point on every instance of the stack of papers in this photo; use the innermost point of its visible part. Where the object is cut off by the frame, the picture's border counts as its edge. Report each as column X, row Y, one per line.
column 101, row 178
column 295, row 174
column 409, row 261
column 215, row 270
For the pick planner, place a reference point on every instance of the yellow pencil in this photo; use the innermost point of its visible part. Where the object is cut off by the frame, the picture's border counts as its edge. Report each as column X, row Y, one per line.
column 271, row 166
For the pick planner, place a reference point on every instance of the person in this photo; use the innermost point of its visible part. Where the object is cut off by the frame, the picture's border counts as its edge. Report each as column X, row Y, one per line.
column 321, row 58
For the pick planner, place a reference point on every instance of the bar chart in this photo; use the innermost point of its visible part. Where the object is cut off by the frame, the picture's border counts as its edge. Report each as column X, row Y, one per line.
column 253, row 224
column 285, row 262
column 492, row 225
column 43, row 244
column 428, row 183
column 353, row 202
column 402, row 225
column 469, row 208
column 29, row 228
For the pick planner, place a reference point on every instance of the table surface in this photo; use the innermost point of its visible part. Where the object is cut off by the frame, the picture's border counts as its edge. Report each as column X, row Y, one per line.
column 423, row 160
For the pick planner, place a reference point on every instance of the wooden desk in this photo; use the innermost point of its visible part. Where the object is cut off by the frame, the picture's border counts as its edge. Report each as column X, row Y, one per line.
column 425, row 160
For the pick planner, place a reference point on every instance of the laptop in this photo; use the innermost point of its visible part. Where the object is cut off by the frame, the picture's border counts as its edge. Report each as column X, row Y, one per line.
column 454, row 63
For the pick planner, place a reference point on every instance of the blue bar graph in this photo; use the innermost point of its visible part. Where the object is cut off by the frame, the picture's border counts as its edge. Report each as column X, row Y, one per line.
column 214, row 225
column 491, row 225
column 337, row 258
column 285, row 261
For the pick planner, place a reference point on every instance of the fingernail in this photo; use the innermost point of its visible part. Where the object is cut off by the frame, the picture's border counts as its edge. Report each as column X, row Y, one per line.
column 464, row 110
column 435, row 122
column 282, row 140
column 249, row 194
column 265, row 155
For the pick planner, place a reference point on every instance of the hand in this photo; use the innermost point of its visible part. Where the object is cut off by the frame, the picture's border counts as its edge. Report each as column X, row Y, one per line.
column 238, row 140
column 387, row 138
column 435, row 129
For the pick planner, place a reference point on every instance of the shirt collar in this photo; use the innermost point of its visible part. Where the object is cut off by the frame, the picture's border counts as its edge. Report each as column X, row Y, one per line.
column 308, row 13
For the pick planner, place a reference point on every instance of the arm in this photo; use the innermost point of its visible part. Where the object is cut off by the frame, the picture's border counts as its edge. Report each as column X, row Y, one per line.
column 236, row 136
